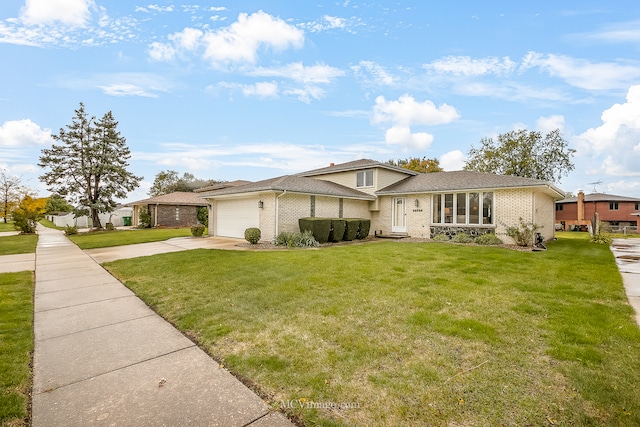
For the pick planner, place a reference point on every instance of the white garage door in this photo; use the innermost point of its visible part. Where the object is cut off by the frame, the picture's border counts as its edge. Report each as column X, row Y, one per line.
column 236, row 215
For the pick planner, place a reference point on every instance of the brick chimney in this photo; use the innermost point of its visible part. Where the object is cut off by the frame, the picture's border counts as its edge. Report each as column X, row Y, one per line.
column 580, row 206
column 332, row 165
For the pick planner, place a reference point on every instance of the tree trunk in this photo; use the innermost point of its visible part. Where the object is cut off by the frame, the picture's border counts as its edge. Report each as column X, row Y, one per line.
column 95, row 218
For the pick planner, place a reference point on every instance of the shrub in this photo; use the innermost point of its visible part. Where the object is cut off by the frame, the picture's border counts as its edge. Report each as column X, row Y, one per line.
column 440, row 238
column 320, row 227
column 524, row 234
column 251, row 235
column 198, row 230
column 307, row 240
column 70, row 230
column 338, row 227
column 352, row 226
column 488, row 239
column 365, row 227
column 601, row 238
column 202, row 214
column 462, row 238
column 145, row 218
column 109, row 226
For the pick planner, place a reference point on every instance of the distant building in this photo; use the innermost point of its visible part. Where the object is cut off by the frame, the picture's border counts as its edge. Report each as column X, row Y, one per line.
column 615, row 211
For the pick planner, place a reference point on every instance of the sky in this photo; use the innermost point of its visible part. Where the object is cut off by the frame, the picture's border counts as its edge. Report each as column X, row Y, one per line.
column 251, row 90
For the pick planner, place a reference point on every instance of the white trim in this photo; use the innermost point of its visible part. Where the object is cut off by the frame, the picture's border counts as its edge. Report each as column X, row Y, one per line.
column 395, row 228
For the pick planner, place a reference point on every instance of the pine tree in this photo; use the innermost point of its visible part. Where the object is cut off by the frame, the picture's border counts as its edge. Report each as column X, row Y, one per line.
column 89, row 166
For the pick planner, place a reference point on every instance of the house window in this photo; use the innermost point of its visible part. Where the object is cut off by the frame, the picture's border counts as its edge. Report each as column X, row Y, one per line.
column 463, row 208
column 364, row 178
column 613, row 206
column 177, row 213
column 559, row 207
column 637, row 207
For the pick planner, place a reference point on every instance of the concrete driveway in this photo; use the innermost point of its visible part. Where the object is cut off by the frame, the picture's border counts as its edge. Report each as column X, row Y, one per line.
column 627, row 253
column 172, row 245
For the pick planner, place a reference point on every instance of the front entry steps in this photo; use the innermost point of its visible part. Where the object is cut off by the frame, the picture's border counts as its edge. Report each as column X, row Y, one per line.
column 396, row 236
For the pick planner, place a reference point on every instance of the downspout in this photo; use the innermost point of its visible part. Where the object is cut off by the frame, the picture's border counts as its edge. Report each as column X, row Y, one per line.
column 278, row 213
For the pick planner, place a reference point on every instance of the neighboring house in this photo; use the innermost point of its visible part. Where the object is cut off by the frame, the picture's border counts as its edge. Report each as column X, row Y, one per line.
column 612, row 210
column 117, row 218
column 396, row 200
column 179, row 209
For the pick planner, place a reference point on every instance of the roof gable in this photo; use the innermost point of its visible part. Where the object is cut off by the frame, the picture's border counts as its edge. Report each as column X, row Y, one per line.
column 295, row 184
column 356, row 165
column 183, row 198
column 462, row 180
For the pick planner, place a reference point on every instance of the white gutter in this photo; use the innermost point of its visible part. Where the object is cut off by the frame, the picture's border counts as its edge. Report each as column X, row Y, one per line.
column 277, row 213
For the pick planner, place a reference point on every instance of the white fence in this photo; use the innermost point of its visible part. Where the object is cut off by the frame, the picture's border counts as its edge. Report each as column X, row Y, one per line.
column 116, row 218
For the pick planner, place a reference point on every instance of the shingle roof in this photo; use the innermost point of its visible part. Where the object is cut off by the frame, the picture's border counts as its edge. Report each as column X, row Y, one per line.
column 182, row 198
column 462, row 180
column 600, row 197
column 355, row 165
column 221, row 185
column 296, row 184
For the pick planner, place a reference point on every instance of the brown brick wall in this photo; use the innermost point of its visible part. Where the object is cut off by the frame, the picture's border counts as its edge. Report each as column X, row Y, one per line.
column 166, row 217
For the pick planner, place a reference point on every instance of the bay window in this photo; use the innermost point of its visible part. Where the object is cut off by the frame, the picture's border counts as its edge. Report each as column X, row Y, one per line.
column 474, row 208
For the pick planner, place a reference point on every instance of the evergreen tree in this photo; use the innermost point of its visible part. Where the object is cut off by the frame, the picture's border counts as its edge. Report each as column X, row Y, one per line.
column 89, row 166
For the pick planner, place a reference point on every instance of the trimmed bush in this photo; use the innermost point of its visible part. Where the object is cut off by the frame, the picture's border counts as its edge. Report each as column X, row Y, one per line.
column 70, row 230
column 252, row 235
column 441, row 238
column 307, row 240
column 365, row 227
column 352, row 228
column 320, row 227
column 198, row 230
column 462, row 238
column 338, row 227
column 488, row 239
column 109, row 226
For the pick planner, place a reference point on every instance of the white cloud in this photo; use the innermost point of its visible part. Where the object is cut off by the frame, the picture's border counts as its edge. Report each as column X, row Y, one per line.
column 467, row 66
column 402, row 135
column 126, row 89
column 550, row 123
column 327, row 22
column 617, row 33
column 69, row 12
column 157, row 8
column 305, row 94
column 261, row 89
column 406, row 111
column 582, row 73
column 617, row 139
column 238, row 43
column 453, row 160
column 373, row 73
column 161, row 51
column 296, row 71
column 23, row 133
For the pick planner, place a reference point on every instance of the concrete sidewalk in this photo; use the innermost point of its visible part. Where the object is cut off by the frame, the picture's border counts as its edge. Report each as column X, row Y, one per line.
column 15, row 263
column 627, row 253
column 102, row 357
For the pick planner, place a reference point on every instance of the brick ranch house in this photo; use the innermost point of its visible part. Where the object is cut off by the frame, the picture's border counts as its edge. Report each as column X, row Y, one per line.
column 616, row 211
column 179, row 209
column 396, row 200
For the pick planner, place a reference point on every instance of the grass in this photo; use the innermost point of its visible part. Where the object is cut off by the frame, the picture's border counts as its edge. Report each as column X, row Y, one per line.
column 50, row 224
column 20, row 244
column 16, row 345
column 411, row 333
column 6, row 227
column 104, row 239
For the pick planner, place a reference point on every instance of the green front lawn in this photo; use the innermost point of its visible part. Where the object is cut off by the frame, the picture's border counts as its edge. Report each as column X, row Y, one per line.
column 6, row 227
column 20, row 244
column 103, row 239
column 16, row 345
column 396, row 333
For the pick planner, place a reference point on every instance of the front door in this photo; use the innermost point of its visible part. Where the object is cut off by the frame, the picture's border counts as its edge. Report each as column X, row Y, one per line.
column 399, row 215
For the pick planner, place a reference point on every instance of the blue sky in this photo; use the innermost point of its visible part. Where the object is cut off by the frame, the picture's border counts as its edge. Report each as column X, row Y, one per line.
column 252, row 90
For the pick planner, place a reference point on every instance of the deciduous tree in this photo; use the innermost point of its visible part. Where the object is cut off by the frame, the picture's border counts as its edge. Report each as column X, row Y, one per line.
column 170, row 181
column 10, row 189
column 523, row 153
column 28, row 213
column 57, row 203
column 89, row 165
column 422, row 165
